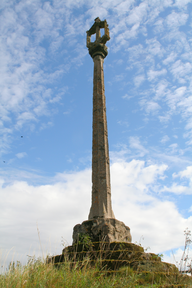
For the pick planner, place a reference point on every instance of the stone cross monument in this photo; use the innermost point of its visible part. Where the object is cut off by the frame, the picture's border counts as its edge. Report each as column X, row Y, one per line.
column 97, row 237
column 101, row 223
column 101, row 188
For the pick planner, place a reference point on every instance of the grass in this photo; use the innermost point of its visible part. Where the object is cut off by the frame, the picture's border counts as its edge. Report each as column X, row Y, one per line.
column 39, row 274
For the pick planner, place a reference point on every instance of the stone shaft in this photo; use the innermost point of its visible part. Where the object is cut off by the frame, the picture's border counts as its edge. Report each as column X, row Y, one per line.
column 101, row 188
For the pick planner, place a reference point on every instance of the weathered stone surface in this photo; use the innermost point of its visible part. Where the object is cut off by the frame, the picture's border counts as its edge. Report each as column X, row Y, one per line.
column 98, row 47
column 115, row 255
column 101, row 187
column 102, row 229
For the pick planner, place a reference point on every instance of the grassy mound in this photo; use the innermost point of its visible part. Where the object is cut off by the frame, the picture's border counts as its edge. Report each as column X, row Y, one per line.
column 125, row 261
column 38, row 274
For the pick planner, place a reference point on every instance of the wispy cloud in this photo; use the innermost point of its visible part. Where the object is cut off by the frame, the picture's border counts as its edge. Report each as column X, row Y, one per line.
column 135, row 143
column 138, row 80
column 23, row 78
column 21, row 155
column 152, row 75
column 182, row 4
column 149, row 106
column 187, row 173
column 154, row 47
column 177, row 189
column 185, row 188
column 165, row 139
column 170, row 58
column 181, row 70
column 174, row 20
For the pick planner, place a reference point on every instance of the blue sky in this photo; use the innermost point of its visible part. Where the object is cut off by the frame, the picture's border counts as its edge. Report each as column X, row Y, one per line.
column 46, row 86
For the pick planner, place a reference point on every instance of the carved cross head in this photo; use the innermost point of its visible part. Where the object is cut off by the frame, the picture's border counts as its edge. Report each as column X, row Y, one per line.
column 95, row 29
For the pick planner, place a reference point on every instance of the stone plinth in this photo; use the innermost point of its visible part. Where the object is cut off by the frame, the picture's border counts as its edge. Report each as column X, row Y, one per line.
column 102, row 229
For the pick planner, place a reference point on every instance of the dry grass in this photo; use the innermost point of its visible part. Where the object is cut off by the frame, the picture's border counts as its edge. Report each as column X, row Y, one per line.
column 39, row 274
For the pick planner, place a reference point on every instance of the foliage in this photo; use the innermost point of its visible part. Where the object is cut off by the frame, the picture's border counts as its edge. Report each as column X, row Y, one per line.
column 185, row 256
column 160, row 255
column 85, row 239
column 185, row 260
column 39, row 274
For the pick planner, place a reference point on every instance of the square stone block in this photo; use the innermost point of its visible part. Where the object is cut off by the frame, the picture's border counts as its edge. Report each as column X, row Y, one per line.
column 103, row 229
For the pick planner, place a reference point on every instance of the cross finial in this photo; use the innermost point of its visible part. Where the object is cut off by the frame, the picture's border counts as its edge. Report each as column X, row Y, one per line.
column 100, row 41
column 98, row 33
column 97, row 19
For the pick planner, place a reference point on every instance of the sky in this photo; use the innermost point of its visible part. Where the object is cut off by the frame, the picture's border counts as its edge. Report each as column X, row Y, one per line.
column 46, row 86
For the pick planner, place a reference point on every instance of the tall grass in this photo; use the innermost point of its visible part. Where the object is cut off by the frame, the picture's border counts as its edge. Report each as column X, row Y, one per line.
column 39, row 274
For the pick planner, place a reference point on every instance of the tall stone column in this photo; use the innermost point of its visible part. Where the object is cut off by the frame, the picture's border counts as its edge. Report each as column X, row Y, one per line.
column 101, row 187
column 101, row 225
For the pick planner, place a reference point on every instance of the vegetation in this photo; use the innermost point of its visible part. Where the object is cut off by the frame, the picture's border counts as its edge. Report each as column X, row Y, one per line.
column 147, row 271
column 39, row 274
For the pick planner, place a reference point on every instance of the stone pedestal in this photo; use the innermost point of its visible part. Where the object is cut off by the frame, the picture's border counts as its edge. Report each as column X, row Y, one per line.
column 102, row 229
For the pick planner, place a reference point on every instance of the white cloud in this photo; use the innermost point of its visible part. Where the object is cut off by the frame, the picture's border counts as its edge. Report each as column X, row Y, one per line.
column 136, row 52
column 119, row 77
column 160, row 89
column 57, row 207
column 173, row 147
column 174, row 20
column 122, row 38
column 180, row 69
column 137, row 176
column 137, row 14
column 138, row 80
column 149, row 106
column 126, row 96
column 186, row 173
column 185, row 103
column 134, row 143
column 159, row 26
column 121, row 153
column 154, row 47
column 178, row 188
column 21, row 155
column 182, row 3
column 170, row 58
column 23, row 79
column 96, row 11
column 154, row 74
column 46, row 125
column 130, row 186
column 54, row 207
column 122, row 7
column 152, row 106
column 123, row 123
column 165, row 139
column 174, row 97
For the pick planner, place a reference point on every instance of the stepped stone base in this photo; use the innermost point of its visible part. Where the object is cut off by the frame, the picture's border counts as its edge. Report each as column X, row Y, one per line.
column 122, row 257
column 102, row 229
column 113, row 256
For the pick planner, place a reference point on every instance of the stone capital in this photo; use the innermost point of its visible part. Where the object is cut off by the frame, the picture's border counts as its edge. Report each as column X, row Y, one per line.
column 97, row 49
